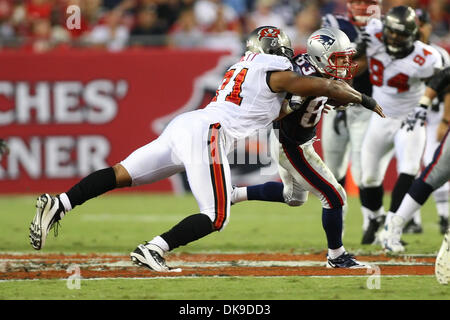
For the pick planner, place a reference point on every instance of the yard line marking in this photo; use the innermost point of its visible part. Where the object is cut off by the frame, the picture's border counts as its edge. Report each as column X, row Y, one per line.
column 222, row 277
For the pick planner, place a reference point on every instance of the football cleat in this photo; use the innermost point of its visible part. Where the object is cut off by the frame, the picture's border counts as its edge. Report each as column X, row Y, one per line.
column 412, row 227
column 390, row 235
column 345, row 260
column 49, row 211
column 443, row 224
column 442, row 266
column 369, row 234
column 152, row 257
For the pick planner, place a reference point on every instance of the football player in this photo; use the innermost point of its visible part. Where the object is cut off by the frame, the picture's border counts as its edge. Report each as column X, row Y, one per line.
column 343, row 132
column 432, row 177
column 329, row 54
column 434, row 115
column 248, row 99
column 399, row 65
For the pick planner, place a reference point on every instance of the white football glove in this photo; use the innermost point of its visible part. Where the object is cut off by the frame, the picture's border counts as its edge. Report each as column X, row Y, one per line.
column 419, row 114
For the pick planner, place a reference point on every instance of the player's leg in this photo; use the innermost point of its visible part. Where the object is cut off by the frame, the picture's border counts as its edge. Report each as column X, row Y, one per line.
column 288, row 191
column 335, row 147
column 147, row 164
column 441, row 198
column 432, row 177
column 308, row 169
column 357, row 121
column 441, row 195
column 209, row 179
column 376, row 153
column 409, row 148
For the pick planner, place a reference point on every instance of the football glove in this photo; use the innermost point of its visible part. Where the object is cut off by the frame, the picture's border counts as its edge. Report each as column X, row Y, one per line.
column 419, row 114
column 340, row 117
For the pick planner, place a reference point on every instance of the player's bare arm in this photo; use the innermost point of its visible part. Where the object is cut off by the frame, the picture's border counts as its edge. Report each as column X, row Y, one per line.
column 288, row 81
column 439, row 83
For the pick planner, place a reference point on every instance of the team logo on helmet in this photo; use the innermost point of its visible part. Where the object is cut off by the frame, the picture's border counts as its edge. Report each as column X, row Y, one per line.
column 326, row 41
column 268, row 33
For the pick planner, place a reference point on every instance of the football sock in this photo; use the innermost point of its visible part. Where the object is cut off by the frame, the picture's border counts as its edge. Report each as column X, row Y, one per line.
column 160, row 242
column 417, row 217
column 404, row 182
column 442, row 209
column 332, row 224
column 407, row 208
column 372, row 197
column 420, row 191
column 238, row 194
column 65, row 202
column 269, row 191
column 91, row 186
column 187, row 230
column 441, row 196
column 334, row 253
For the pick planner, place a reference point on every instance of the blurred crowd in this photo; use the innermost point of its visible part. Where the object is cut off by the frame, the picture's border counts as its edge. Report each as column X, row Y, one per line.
column 42, row 25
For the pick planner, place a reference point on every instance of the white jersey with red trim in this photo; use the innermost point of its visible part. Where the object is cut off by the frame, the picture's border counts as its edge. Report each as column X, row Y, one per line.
column 398, row 84
column 244, row 102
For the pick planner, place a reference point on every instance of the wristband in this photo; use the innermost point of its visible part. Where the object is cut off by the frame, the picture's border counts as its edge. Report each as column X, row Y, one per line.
column 368, row 102
column 425, row 101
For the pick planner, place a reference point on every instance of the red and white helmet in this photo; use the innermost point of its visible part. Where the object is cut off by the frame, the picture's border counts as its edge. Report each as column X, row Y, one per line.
column 360, row 11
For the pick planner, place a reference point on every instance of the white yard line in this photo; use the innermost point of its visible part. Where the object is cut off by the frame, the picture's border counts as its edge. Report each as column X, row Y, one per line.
column 221, row 277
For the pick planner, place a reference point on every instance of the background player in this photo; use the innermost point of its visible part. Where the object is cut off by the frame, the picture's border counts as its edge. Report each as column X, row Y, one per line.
column 342, row 131
column 248, row 99
column 301, row 170
column 398, row 64
column 432, row 177
column 434, row 116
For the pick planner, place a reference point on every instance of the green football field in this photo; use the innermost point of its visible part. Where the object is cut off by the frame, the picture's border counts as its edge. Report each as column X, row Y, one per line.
column 117, row 222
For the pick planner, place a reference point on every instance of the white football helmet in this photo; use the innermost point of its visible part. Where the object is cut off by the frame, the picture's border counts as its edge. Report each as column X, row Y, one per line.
column 331, row 51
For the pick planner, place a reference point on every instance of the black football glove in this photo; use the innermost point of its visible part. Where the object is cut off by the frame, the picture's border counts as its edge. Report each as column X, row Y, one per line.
column 341, row 116
column 419, row 114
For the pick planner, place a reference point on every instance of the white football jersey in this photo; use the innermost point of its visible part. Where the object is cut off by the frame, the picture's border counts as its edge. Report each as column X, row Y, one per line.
column 398, row 84
column 244, row 102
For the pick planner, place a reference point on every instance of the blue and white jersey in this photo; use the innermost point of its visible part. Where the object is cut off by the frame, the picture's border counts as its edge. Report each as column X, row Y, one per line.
column 342, row 23
column 300, row 126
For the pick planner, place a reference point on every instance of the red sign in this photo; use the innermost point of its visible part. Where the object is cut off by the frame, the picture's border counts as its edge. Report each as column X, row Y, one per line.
column 67, row 114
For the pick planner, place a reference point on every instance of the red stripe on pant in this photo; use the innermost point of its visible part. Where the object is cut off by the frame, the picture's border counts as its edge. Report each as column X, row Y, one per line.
column 320, row 177
column 217, row 176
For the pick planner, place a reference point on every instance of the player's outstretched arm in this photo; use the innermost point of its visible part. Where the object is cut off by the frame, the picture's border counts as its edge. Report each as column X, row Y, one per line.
column 288, row 81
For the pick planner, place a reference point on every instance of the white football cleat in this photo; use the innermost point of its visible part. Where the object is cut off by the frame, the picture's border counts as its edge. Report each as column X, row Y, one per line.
column 49, row 211
column 152, row 257
column 442, row 266
column 391, row 234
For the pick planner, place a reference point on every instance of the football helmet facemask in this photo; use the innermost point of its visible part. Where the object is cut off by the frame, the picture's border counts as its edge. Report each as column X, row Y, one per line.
column 400, row 28
column 330, row 51
column 270, row 40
